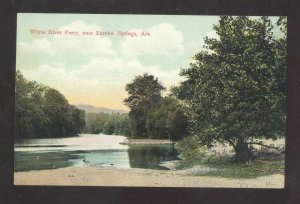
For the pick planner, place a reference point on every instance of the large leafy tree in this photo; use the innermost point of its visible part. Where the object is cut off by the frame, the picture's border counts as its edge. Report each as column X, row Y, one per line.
column 144, row 93
column 236, row 86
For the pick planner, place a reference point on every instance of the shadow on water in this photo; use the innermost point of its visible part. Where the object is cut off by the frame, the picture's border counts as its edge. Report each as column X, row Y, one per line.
column 27, row 161
column 149, row 156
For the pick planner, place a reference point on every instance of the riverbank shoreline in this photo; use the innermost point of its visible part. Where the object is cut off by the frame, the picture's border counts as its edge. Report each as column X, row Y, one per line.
column 129, row 141
column 110, row 176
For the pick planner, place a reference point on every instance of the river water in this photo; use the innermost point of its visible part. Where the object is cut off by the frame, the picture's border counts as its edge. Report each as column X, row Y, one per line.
column 89, row 150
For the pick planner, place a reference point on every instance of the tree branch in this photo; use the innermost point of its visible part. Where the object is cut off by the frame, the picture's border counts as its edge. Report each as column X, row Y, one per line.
column 231, row 143
column 261, row 144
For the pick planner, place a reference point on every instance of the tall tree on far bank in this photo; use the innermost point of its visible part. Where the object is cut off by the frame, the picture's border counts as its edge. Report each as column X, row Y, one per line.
column 236, row 87
column 56, row 109
column 144, row 94
column 30, row 117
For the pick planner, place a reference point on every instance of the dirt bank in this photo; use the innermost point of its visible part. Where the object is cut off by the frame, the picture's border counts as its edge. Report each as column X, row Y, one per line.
column 94, row 176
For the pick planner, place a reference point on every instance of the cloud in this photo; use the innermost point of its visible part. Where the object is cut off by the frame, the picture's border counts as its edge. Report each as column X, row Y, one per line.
column 38, row 45
column 167, row 77
column 28, row 53
column 213, row 34
column 117, row 72
column 195, row 46
column 59, row 77
column 164, row 39
column 114, row 71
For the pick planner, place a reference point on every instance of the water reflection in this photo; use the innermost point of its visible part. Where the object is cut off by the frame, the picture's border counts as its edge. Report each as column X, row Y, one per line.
column 89, row 150
column 149, row 156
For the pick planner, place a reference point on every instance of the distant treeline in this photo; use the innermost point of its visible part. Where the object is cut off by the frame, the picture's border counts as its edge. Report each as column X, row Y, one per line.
column 166, row 120
column 106, row 123
column 43, row 112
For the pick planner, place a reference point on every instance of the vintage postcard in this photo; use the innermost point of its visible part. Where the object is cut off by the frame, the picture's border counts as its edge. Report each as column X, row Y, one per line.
column 150, row 100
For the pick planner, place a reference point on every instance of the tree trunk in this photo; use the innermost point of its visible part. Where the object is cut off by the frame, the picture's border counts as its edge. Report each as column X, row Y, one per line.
column 242, row 152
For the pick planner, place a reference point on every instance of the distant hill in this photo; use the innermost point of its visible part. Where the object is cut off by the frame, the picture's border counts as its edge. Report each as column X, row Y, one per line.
column 92, row 109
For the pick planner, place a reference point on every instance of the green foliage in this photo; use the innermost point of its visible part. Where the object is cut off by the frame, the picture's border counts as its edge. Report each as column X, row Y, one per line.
column 44, row 112
column 167, row 120
column 236, row 87
column 192, row 151
column 144, row 94
column 109, row 124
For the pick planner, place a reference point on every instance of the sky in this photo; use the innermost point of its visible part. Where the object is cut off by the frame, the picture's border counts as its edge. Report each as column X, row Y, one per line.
column 94, row 69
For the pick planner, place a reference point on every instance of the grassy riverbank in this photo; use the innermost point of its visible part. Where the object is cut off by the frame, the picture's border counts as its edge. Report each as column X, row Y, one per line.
column 221, row 164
